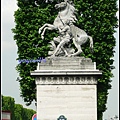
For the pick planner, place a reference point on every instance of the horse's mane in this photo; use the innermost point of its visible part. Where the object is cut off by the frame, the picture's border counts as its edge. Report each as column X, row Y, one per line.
column 70, row 15
column 72, row 11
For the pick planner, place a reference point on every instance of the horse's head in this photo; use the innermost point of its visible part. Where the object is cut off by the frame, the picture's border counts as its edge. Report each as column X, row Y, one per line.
column 61, row 5
column 66, row 12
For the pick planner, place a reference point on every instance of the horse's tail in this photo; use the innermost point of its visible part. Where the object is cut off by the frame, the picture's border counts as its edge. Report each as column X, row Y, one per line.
column 91, row 43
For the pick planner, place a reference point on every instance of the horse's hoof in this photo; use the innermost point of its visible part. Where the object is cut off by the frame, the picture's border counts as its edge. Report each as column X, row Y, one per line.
column 66, row 55
column 52, row 56
column 69, row 55
column 42, row 37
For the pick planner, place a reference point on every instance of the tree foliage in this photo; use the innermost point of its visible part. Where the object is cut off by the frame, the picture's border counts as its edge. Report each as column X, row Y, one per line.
column 96, row 17
column 17, row 110
column 8, row 103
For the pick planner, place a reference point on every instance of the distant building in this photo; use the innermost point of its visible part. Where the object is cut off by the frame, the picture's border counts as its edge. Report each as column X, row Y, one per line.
column 6, row 115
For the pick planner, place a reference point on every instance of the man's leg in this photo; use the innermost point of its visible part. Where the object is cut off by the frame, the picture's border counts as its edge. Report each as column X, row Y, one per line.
column 62, row 43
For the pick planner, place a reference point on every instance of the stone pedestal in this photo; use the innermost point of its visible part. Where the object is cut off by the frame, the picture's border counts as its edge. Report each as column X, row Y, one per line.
column 67, row 86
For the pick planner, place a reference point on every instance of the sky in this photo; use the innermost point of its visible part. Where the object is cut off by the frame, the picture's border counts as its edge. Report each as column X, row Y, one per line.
column 9, row 85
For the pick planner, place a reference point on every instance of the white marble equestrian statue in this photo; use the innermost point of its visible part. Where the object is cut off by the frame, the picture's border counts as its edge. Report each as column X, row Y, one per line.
column 65, row 15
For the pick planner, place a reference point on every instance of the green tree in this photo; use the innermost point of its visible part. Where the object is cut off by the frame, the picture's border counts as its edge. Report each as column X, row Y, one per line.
column 27, row 114
column 8, row 103
column 17, row 110
column 96, row 17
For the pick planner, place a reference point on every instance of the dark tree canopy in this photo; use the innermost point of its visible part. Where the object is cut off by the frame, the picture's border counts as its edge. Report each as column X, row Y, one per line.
column 96, row 17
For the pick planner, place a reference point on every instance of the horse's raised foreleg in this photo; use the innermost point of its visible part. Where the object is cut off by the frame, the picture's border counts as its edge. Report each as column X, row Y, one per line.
column 40, row 29
column 51, row 27
column 46, row 25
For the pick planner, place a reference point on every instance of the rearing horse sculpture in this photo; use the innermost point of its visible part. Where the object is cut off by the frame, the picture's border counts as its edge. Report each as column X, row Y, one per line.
column 67, row 13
